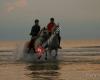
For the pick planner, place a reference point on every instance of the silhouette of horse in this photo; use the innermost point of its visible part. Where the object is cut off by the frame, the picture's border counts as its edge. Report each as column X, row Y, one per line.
column 47, row 45
column 52, row 43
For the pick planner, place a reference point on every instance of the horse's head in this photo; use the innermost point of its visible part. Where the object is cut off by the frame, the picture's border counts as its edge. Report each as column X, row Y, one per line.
column 56, row 31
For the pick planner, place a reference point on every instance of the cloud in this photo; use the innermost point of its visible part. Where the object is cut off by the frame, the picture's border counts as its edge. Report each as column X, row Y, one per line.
column 11, row 6
column 21, row 3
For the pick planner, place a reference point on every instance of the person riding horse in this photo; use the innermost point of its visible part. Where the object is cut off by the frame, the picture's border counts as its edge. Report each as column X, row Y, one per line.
column 35, row 29
column 34, row 33
column 41, row 36
column 44, row 40
column 51, row 28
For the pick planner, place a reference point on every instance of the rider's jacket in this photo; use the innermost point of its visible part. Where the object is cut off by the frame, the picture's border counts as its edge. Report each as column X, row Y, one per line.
column 51, row 26
column 35, row 30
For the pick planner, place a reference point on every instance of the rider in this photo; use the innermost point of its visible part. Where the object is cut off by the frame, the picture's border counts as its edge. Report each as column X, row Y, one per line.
column 51, row 26
column 35, row 29
column 34, row 33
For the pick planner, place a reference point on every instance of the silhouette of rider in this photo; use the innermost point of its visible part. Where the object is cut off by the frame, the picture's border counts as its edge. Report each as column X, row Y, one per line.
column 51, row 27
column 34, row 33
column 35, row 29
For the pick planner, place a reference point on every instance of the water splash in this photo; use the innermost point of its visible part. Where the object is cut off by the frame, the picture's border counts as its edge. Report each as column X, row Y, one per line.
column 17, row 54
column 22, row 55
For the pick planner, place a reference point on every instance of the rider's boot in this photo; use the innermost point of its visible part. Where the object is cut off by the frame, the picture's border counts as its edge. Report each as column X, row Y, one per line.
column 59, row 41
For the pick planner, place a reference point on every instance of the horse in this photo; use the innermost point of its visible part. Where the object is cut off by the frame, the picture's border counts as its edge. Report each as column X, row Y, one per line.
column 35, row 44
column 44, row 44
column 52, row 43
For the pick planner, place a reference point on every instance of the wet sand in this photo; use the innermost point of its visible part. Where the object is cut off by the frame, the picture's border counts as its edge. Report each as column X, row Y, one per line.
column 79, row 60
column 67, row 71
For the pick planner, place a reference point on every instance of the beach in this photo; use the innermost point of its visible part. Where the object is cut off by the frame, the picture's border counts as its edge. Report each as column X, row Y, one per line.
column 78, row 60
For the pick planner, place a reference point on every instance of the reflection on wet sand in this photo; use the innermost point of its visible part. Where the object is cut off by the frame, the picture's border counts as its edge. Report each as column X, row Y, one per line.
column 44, row 71
column 81, row 63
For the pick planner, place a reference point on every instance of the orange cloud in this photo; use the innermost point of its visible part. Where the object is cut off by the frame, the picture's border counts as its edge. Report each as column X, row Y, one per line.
column 10, row 8
column 17, row 4
column 21, row 3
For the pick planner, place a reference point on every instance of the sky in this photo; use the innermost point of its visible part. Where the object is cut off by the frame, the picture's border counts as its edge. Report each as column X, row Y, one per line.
column 78, row 19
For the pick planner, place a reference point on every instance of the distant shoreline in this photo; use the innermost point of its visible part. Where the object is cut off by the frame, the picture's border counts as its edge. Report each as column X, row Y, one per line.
column 64, row 43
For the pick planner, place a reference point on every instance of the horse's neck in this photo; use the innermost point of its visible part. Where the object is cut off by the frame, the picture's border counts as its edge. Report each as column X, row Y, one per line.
column 51, row 38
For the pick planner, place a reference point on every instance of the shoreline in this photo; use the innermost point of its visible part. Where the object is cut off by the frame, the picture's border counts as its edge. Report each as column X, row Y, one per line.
column 64, row 43
column 79, row 43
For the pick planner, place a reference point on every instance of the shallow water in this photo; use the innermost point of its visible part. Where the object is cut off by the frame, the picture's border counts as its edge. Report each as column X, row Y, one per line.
column 70, row 64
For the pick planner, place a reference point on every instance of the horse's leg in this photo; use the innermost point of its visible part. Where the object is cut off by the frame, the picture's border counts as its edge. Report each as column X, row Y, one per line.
column 50, row 52
column 33, row 49
column 29, row 46
column 56, row 53
column 29, row 49
column 45, row 55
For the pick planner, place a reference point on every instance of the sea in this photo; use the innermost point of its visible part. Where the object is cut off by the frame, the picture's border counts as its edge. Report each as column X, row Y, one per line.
column 73, row 63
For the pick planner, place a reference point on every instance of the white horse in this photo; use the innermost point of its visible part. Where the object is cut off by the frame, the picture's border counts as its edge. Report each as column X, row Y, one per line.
column 52, row 43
